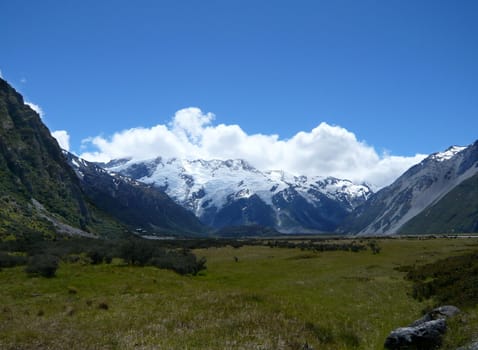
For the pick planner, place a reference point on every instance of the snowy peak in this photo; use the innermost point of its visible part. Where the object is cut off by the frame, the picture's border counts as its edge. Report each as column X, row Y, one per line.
column 448, row 154
column 214, row 189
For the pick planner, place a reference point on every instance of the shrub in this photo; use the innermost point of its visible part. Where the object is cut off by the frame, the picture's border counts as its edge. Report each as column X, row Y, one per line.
column 42, row 265
column 451, row 280
column 103, row 305
column 72, row 290
column 183, row 262
column 95, row 256
column 374, row 247
column 99, row 255
column 7, row 260
column 136, row 252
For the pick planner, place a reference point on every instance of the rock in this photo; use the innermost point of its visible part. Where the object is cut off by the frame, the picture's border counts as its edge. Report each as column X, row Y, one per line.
column 425, row 333
column 425, row 336
column 447, row 311
column 444, row 312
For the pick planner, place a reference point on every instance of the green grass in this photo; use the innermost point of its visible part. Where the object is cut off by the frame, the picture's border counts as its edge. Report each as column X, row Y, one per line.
column 271, row 298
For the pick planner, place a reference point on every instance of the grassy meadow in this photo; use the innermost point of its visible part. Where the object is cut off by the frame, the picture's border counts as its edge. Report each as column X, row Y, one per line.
column 253, row 297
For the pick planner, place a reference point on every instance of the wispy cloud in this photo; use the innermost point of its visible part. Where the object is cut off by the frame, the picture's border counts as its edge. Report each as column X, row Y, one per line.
column 63, row 139
column 326, row 150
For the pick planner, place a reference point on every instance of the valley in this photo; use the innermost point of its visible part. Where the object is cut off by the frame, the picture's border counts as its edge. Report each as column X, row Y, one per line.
column 239, row 175
column 249, row 297
column 308, row 263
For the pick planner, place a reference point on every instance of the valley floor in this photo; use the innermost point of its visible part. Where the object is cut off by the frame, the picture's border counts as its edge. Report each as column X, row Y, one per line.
column 254, row 297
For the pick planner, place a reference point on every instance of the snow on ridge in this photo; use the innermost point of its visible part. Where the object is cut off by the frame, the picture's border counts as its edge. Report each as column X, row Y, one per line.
column 448, row 154
column 200, row 184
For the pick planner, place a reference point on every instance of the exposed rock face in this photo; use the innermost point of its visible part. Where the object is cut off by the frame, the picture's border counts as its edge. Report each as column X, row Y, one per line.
column 423, row 334
column 428, row 198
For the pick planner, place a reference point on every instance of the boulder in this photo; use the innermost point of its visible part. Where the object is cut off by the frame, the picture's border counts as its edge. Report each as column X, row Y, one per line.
column 423, row 334
column 444, row 312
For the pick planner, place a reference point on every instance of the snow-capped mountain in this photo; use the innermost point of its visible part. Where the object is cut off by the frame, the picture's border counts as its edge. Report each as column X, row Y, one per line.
column 418, row 189
column 232, row 192
column 140, row 207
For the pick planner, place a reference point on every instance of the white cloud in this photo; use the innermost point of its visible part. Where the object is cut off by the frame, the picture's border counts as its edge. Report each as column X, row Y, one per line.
column 63, row 139
column 36, row 108
column 326, row 150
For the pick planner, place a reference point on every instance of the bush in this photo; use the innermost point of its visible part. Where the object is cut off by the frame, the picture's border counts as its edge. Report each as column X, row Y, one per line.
column 99, row 255
column 452, row 280
column 7, row 260
column 183, row 262
column 103, row 305
column 374, row 247
column 95, row 256
column 136, row 252
column 42, row 265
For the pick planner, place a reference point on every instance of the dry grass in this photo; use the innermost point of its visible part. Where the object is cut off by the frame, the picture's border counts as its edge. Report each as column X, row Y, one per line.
column 270, row 299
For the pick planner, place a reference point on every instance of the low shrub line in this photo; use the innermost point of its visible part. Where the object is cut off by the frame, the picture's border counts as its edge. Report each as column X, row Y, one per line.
column 42, row 258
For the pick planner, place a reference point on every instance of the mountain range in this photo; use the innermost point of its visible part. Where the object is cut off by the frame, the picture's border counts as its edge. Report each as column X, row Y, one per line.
column 142, row 208
column 232, row 193
column 46, row 190
column 438, row 195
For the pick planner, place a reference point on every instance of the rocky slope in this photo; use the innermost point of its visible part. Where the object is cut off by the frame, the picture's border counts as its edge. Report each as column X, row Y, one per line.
column 34, row 174
column 456, row 212
column 420, row 194
column 143, row 208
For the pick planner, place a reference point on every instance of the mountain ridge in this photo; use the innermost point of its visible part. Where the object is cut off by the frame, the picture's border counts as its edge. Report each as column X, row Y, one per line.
column 233, row 193
column 41, row 193
column 419, row 188
column 32, row 170
column 143, row 208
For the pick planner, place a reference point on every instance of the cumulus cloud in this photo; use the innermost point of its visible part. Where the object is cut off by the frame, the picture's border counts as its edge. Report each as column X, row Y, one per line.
column 63, row 139
column 36, row 108
column 326, row 150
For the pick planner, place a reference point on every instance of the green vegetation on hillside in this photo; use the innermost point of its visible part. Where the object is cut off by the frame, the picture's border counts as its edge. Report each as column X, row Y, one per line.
column 40, row 192
column 32, row 167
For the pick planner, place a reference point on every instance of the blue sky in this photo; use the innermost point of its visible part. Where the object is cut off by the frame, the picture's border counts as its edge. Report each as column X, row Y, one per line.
column 401, row 76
